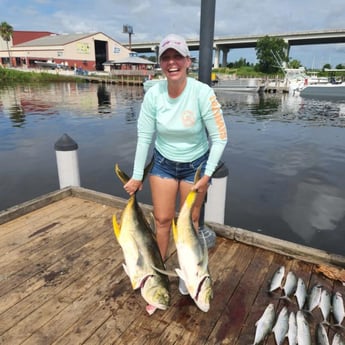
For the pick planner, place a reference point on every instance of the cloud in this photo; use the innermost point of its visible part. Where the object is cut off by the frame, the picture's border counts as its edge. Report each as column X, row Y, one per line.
column 153, row 19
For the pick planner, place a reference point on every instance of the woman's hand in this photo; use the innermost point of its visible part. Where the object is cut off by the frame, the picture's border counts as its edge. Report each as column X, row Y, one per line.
column 202, row 185
column 132, row 186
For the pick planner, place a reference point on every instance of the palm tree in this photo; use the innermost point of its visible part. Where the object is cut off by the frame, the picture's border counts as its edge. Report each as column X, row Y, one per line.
column 6, row 31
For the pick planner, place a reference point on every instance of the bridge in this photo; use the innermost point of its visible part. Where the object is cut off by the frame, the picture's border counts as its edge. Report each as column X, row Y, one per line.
column 225, row 44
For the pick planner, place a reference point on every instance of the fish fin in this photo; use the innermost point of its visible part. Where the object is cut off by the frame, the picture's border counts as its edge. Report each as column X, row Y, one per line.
column 125, row 269
column 152, row 224
column 167, row 273
column 180, row 273
column 174, row 229
column 116, row 227
column 204, row 261
column 135, row 284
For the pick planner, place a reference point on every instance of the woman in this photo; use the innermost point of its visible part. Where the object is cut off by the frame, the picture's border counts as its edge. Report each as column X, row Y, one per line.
column 179, row 111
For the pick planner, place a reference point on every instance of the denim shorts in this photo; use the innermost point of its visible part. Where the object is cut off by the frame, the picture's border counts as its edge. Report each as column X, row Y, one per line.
column 166, row 168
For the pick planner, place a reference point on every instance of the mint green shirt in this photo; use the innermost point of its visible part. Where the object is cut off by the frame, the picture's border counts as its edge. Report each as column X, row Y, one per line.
column 179, row 126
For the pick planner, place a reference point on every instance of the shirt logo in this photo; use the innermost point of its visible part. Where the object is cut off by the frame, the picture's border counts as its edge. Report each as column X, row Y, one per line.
column 188, row 118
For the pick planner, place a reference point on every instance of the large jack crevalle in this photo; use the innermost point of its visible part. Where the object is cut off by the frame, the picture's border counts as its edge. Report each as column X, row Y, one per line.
column 192, row 255
column 141, row 253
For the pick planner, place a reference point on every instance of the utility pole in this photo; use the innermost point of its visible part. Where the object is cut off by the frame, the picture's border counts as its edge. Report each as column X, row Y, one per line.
column 128, row 29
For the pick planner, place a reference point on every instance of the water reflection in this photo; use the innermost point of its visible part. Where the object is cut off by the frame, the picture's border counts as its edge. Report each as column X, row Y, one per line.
column 314, row 206
column 17, row 115
column 15, row 110
column 104, row 103
column 286, row 155
column 285, row 107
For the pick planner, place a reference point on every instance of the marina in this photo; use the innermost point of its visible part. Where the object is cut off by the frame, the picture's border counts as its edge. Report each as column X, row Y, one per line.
column 276, row 267
column 62, row 280
column 285, row 158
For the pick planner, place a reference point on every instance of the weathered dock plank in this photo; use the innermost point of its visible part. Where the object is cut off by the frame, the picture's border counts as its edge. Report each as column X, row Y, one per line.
column 62, row 281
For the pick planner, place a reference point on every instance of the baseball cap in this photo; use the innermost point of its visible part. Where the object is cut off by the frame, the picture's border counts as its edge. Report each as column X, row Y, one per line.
column 174, row 42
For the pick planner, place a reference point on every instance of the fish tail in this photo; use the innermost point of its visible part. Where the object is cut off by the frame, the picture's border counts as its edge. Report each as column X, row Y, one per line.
column 124, row 178
column 325, row 322
column 116, row 227
column 191, row 197
column 338, row 325
column 197, row 175
column 286, row 298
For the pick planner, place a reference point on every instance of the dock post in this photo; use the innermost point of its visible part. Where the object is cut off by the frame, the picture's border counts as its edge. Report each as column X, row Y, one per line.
column 207, row 19
column 213, row 209
column 216, row 195
column 67, row 161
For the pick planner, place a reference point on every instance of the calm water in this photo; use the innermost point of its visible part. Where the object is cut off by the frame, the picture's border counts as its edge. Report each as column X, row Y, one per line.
column 286, row 155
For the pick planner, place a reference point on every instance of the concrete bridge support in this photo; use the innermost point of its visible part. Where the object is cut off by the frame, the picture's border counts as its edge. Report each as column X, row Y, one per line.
column 216, row 58
column 225, row 52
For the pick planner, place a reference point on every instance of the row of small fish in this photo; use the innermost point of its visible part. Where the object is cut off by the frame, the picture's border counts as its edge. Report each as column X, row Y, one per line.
column 293, row 326
column 318, row 297
column 293, row 286
column 328, row 304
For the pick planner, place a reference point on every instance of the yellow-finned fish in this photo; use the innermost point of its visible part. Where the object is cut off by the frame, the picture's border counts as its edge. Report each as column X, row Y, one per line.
column 141, row 253
column 192, row 255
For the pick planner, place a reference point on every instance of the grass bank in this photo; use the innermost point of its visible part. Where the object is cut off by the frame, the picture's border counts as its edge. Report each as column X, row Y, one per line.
column 244, row 72
column 12, row 76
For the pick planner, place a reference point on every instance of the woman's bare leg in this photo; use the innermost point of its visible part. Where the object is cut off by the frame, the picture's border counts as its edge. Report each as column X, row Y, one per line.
column 164, row 193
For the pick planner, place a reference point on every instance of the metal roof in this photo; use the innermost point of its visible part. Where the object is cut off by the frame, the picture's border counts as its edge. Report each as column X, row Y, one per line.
column 55, row 40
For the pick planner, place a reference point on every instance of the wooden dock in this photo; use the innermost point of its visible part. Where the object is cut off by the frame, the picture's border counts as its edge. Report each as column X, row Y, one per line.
column 120, row 79
column 62, row 281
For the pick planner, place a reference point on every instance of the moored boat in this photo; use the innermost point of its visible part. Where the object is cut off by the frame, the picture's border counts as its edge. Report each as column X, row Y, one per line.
column 334, row 88
column 239, row 85
column 150, row 82
column 324, row 90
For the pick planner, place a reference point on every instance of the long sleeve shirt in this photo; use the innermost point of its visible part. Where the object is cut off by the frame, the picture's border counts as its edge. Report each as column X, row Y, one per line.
column 183, row 127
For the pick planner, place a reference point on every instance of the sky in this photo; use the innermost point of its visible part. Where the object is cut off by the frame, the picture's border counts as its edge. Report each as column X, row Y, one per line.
column 153, row 19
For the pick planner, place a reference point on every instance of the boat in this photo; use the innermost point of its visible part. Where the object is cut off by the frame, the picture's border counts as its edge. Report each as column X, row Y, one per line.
column 239, row 85
column 324, row 90
column 332, row 89
column 47, row 64
column 236, row 85
column 150, row 82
